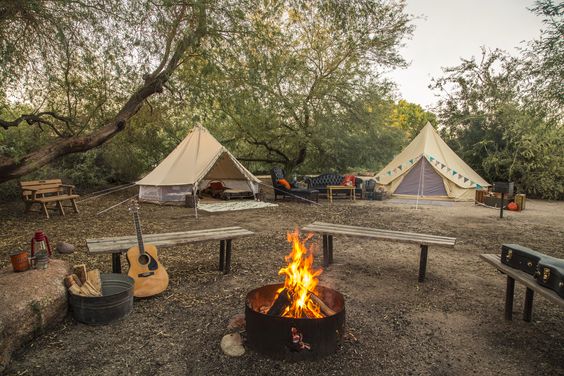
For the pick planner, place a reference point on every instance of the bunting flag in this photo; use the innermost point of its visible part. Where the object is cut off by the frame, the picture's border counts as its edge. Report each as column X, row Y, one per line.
column 431, row 159
column 454, row 172
column 442, row 166
column 466, row 179
column 471, row 182
column 448, row 169
column 377, row 178
column 478, row 186
column 395, row 170
column 400, row 167
column 411, row 161
column 459, row 176
column 436, row 163
column 389, row 173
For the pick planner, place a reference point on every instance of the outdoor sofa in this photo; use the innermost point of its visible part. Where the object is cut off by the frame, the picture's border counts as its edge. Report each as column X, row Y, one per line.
column 295, row 193
column 321, row 182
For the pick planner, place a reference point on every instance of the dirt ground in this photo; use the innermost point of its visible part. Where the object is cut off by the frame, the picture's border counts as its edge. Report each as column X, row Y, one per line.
column 450, row 325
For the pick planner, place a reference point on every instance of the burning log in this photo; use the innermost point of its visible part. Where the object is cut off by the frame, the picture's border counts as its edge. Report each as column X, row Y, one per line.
column 281, row 302
column 324, row 307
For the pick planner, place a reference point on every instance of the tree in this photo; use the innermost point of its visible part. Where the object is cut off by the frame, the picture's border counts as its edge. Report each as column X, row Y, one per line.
column 411, row 118
column 80, row 64
column 302, row 81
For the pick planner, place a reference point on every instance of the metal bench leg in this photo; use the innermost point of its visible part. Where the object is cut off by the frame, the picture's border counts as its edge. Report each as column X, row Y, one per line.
column 509, row 292
column 221, row 254
column 423, row 262
column 227, row 257
column 116, row 262
column 528, row 308
column 325, row 251
column 330, row 248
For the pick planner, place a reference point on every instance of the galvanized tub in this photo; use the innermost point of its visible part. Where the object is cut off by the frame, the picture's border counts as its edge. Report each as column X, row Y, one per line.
column 116, row 301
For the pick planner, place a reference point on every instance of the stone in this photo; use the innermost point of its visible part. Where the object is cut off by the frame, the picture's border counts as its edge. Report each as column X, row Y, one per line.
column 232, row 344
column 32, row 301
column 65, row 248
column 237, row 322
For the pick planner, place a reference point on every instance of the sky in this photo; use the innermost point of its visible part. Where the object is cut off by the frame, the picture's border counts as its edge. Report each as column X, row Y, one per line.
column 448, row 30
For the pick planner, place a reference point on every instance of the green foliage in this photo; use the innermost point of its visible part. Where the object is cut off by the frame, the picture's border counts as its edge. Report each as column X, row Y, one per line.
column 411, row 118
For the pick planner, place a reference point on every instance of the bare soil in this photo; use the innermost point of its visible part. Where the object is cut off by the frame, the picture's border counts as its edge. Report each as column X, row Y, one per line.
column 450, row 325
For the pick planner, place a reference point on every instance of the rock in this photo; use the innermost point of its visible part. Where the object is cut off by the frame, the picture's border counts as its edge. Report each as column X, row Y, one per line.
column 31, row 301
column 237, row 322
column 64, row 248
column 232, row 344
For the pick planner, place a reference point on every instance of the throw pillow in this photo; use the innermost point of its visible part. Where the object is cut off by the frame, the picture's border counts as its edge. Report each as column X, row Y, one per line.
column 284, row 183
column 349, row 180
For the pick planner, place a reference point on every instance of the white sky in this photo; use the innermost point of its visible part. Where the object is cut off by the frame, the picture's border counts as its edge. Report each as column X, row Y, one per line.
column 451, row 29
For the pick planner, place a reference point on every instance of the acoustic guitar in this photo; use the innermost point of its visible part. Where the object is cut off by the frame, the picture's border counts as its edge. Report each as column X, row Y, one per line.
column 150, row 276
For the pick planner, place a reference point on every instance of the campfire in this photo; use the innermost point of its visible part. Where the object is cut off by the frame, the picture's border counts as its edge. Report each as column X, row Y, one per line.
column 298, row 319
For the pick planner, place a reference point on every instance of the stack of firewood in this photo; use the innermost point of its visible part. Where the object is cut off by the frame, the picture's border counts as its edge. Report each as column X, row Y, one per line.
column 83, row 282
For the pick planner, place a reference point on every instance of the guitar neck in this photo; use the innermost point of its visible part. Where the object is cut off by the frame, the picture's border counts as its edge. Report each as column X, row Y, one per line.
column 138, row 232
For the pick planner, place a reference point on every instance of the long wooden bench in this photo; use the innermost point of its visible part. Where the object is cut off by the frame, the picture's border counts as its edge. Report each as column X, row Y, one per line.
column 424, row 240
column 45, row 192
column 120, row 244
column 528, row 281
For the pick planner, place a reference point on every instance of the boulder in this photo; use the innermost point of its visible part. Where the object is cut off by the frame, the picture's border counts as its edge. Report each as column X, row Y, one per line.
column 64, row 248
column 31, row 301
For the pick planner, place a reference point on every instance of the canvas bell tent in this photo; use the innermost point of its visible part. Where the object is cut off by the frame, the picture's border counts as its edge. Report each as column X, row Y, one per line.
column 429, row 168
column 191, row 166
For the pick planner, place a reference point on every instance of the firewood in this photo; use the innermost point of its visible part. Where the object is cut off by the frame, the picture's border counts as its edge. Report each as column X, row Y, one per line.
column 90, row 290
column 281, row 302
column 324, row 307
column 69, row 281
column 93, row 276
column 76, row 279
column 80, row 271
column 75, row 290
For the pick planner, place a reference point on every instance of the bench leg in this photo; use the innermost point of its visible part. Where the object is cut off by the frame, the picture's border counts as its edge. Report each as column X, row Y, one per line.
column 227, row 257
column 44, row 206
column 330, row 248
column 528, row 308
column 509, row 292
column 221, row 254
column 423, row 262
column 60, row 207
column 73, row 202
column 116, row 262
column 325, row 251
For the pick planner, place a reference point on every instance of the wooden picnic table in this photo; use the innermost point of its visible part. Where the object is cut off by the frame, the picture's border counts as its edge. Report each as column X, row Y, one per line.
column 119, row 244
column 527, row 280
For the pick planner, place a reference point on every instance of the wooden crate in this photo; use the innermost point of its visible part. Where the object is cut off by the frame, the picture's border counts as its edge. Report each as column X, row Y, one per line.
column 520, row 201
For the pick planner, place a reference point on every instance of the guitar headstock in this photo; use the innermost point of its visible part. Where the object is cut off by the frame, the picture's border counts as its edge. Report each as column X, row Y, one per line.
column 134, row 206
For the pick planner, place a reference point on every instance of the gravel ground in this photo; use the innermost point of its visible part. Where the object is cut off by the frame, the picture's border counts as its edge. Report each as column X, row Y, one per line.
column 450, row 325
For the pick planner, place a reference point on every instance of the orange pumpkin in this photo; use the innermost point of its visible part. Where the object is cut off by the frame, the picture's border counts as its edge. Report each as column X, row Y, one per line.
column 512, row 206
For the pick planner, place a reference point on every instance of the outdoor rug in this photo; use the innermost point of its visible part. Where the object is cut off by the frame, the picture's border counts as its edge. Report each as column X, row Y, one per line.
column 421, row 202
column 234, row 205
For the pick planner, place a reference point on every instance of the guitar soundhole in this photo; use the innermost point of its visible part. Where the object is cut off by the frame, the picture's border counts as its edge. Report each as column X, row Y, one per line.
column 144, row 259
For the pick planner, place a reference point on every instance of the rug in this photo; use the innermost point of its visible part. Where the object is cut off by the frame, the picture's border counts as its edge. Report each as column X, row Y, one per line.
column 420, row 202
column 234, row 205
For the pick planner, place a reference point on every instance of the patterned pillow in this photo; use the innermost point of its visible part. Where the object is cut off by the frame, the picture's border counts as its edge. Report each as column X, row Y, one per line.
column 349, row 180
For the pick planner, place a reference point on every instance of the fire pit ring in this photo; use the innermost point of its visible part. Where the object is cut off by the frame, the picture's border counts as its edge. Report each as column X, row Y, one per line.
column 277, row 337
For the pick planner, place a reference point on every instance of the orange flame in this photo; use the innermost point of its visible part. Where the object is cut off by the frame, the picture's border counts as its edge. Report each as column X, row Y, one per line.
column 301, row 279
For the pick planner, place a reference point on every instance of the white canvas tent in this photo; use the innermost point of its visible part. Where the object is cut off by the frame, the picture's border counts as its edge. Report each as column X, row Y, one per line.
column 196, row 161
column 429, row 168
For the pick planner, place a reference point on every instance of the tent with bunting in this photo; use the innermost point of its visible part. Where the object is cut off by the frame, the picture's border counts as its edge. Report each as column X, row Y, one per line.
column 198, row 160
column 429, row 168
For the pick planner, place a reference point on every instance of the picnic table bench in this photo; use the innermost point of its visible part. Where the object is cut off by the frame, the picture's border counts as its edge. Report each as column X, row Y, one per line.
column 528, row 281
column 424, row 240
column 120, row 244
column 44, row 192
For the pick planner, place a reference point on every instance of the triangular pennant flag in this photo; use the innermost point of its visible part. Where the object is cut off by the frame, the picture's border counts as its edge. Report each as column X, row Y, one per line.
column 466, row 179
column 454, row 172
column 400, row 167
column 431, row 158
column 471, row 182
column 389, row 173
column 459, row 176
column 411, row 161
column 436, row 163
column 442, row 166
column 395, row 170
column 377, row 178
column 448, row 169
column 478, row 186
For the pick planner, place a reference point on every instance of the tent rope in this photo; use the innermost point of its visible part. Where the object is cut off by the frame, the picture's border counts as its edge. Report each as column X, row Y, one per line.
column 118, row 204
column 117, row 189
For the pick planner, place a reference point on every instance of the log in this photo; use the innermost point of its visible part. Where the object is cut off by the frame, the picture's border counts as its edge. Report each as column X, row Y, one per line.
column 90, row 290
column 80, row 271
column 93, row 276
column 324, row 307
column 281, row 302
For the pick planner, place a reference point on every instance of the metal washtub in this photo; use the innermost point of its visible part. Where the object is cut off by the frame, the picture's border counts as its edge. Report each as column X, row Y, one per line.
column 116, row 301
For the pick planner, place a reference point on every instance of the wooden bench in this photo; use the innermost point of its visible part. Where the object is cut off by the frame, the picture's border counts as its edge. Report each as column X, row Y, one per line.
column 528, row 281
column 120, row 244
column 45, row 192
column 424, row 240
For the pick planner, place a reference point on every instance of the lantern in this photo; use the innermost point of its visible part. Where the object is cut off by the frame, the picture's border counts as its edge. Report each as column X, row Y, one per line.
column 40, row 244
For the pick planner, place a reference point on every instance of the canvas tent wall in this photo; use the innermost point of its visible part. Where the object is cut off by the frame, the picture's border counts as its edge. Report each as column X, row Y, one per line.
column 428, row 167
column 196, row 161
